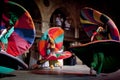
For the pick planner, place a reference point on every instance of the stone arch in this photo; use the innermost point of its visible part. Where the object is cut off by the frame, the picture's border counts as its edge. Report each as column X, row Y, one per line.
column 64, row 13
column 61, row 10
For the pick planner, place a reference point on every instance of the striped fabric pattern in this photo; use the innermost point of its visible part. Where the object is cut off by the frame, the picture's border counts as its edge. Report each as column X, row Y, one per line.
column 96, row 19
column 56, row 36
column 24, row 30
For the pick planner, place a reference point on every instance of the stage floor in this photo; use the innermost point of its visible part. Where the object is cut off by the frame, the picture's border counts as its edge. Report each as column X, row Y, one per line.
column 77, row 72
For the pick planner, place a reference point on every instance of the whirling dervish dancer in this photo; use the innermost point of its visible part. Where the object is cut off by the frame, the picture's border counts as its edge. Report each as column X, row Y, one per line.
column 17, row 34
column 50, row 47
column 100, row 53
